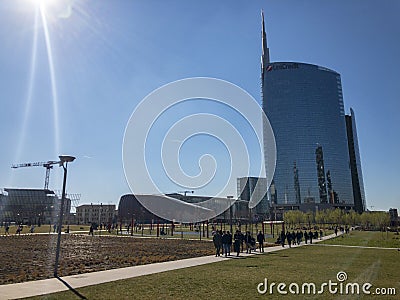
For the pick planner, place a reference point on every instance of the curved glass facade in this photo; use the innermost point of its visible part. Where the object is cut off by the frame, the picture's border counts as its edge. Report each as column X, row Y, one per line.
column 304, row 104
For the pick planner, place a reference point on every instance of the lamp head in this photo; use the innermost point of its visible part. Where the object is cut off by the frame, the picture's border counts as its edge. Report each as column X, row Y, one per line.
column 66, row 158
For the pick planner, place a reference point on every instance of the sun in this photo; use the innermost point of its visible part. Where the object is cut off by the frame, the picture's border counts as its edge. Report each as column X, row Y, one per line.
column 42, row 4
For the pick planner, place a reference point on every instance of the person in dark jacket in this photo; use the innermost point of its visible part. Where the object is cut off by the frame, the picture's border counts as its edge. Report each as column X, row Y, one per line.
column 225, row 243
column 237, row 240
column 260, row 240
column 247, row 240
column 298, row 237
column 294, row 238
column 228, row 247
column 217, row 239
column 283, row 237
column 242, row 238
column 289, row 239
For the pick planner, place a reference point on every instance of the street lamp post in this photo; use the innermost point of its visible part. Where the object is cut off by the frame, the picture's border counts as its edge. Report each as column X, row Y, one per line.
column 64, row 160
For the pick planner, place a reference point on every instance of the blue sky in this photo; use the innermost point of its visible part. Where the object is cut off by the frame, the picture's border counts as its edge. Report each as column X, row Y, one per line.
column 106, row 56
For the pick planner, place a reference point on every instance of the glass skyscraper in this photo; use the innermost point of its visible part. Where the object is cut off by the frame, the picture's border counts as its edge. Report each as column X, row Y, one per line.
column 304, row 104
column 355, row 163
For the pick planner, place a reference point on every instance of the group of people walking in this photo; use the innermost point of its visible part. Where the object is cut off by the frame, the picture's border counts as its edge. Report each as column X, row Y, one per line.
column 223, row 241
column 297, row 237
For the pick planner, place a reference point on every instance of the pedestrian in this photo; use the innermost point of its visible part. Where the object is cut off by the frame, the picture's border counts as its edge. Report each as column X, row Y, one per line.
column 217, row 239
column 310, row 235
column 298, row 237
column 229, row 242
column 283, row 237
column 242, row 238
column 260, row 240
column 225, row 242
column 305, row 236
column 222, row 245
column 91, row 230
column 289, row 239
column 7, row 230
column 237, row 241
column 320, row 234
column 336, row 230
column 247, row 240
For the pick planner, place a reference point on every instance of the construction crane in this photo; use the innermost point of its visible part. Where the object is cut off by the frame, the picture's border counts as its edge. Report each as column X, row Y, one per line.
column 48, row 165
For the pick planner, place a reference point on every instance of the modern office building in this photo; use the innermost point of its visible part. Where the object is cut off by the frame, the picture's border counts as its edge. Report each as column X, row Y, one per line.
column 304, row 104
column 394, row 217
column 31, row 206
column 355, row 163
column 247, row 189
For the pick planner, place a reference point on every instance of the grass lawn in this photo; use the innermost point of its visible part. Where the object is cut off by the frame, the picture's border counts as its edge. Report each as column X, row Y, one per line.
column 368, row 239
column 238, row 278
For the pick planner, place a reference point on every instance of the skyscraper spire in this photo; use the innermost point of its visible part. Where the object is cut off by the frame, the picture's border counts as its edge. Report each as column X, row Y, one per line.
column 265, row 49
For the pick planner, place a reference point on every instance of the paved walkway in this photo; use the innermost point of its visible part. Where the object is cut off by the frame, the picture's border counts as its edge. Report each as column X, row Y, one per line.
column 53, row 285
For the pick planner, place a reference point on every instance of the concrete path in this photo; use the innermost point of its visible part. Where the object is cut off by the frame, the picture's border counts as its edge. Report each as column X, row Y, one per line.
column 53, row 285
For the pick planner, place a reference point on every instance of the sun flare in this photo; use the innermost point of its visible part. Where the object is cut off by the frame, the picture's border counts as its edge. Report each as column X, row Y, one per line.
column 42, row 3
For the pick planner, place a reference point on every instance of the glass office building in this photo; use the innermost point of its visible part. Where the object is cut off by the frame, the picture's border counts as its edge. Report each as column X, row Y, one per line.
column 304, row 104
column 247, row 189
column 355, row 163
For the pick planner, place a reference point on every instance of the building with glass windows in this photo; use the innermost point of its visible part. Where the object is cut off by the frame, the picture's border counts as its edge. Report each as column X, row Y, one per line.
column 31, row 206
column 304, row 105
column 248, row 188
column 355, row 163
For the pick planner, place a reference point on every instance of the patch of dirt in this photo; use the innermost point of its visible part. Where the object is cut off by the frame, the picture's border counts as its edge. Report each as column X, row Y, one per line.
column 31, row 257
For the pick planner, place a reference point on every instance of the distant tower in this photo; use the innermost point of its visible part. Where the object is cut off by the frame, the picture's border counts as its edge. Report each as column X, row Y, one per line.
column 355, row 163
column 253, row 188
column 265, row 50
column 319, row 157
column 296, row 183
column 330, row 190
